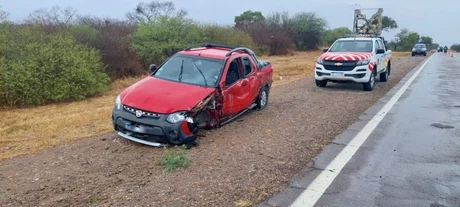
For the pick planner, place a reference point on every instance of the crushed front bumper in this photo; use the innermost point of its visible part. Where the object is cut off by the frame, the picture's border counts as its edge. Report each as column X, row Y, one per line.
column 152, row 130
column 359, row 74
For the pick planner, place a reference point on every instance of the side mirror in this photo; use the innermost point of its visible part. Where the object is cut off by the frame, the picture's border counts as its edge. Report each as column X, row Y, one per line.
column 153, row 67
column 325, row 50
column 380, row 51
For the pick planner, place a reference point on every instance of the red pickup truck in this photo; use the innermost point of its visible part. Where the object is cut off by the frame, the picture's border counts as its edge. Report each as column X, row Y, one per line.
column 203, row 86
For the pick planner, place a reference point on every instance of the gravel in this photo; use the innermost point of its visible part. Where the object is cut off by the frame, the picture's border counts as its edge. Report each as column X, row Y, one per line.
column 241, row 164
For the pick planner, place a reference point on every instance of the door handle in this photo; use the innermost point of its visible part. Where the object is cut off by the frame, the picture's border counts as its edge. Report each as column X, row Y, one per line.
column 244, row 83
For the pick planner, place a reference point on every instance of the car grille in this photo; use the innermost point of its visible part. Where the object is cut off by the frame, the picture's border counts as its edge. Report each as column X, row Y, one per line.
column 346, row 65
column 144, row 113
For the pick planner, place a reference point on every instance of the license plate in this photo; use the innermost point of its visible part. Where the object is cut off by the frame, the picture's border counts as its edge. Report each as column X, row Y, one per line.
column 337, row 74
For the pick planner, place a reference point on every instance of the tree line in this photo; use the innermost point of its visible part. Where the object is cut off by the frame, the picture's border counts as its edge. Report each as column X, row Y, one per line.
column 56, row 55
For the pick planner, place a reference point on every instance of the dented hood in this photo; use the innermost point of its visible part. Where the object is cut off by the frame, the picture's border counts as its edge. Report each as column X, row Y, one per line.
column 162, row 96
column 346, row 56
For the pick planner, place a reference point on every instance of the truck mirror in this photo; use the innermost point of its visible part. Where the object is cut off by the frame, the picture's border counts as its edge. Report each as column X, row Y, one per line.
column 380, row 51
column 153, row 67
column 325, row 50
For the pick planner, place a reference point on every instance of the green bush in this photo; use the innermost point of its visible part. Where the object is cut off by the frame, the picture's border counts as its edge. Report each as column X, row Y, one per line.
column 175, row 158
column 36, row 68
column 214, row 33
column 155, row 41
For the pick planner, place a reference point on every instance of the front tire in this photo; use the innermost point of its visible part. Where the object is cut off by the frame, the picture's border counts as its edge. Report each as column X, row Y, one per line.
column 369, row 86
column 262, row 99
column 321, row 83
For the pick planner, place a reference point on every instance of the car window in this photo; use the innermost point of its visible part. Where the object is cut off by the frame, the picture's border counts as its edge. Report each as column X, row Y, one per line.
column 247, row 66
column 377, row 45
column 233, row 73
column 382, row 45
column 352, row 46
column 191, row 70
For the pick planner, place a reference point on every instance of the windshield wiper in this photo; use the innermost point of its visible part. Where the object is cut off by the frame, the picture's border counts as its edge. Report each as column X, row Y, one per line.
column 181, row 71
column 199, row 70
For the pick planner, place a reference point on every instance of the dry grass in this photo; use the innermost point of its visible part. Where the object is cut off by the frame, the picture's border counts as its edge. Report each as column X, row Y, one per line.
column 293, row 67
column 24, row 131
column 401, row 54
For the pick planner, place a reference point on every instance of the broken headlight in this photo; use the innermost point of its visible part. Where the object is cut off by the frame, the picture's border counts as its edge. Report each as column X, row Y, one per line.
column 178, row 117
column 118, row 102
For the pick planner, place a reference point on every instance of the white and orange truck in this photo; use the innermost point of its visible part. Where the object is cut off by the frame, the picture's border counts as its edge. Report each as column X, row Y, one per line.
column 356, row 58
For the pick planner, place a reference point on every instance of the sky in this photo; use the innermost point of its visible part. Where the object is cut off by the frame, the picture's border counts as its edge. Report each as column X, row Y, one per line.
column 436, row 19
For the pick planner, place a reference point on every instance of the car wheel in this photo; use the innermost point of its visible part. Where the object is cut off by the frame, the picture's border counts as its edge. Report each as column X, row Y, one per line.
column 369, row 86
column 262, row 99
column 321, row 83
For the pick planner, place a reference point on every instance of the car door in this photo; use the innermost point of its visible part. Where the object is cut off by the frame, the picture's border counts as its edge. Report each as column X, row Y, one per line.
column 379, row 57
column 253, row 81
column 384, row 56
column 236, row 89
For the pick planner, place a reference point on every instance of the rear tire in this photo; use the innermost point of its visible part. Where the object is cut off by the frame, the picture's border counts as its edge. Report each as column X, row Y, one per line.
column 262, row 99
column 369, row 86
column 321, row 83
column 384, row 76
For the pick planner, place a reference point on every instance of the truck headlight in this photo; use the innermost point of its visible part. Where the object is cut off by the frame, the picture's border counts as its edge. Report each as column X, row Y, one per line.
column 319, row 61
column 423, row 49
column 362, row 62
column 413, row 50
column 118, row 102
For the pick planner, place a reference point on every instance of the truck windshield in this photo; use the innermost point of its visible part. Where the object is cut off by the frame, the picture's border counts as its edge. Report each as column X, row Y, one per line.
column 352, row 46
column 191, row 70
column 419, row 46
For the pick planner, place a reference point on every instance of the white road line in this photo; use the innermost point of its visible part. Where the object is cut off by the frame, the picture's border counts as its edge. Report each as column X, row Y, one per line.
column 315, row 190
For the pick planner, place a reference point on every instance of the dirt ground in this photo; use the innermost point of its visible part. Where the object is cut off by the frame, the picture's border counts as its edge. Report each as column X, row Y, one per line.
column 240, row 164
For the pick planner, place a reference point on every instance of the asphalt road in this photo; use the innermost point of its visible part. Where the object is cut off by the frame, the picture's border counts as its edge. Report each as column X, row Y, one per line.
column 412, row 158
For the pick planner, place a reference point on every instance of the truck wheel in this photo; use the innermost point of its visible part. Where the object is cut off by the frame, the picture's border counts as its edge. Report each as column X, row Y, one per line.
column 320, row 83
column 384, row 76
column 262, row 99
column 369, row 86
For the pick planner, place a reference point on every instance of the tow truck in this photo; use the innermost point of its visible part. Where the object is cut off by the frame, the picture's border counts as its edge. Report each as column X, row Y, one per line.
column 356, row 58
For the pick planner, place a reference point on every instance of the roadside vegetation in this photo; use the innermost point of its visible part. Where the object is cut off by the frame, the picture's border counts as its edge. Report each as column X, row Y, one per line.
column 455, row 47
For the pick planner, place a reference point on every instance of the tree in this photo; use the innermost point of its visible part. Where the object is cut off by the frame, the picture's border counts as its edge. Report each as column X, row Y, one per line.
column 330, row 36
column 455, row 47
column 3, row 14
column 54, row 17
column 405, row 40
column 309, row 29
column 248, row 18
column 387, row 23
column 427, row 40
column 148, row 12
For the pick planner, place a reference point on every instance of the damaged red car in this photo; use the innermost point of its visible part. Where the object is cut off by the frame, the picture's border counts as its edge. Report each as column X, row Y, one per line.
column 203, row 86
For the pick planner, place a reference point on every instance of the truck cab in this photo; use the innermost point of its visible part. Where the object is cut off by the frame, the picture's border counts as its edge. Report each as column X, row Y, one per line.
column 354, row 59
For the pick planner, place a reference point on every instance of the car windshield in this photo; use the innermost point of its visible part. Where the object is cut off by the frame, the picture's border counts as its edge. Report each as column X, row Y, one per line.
column 352, row 46
column 191, row 70
column 419, row 46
